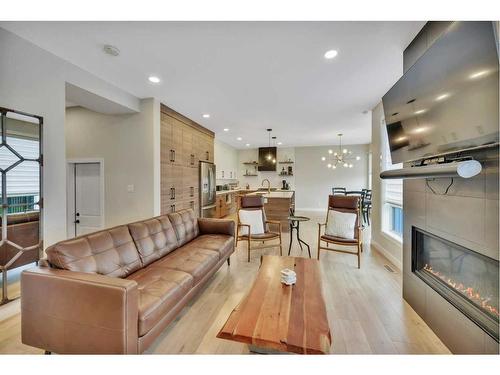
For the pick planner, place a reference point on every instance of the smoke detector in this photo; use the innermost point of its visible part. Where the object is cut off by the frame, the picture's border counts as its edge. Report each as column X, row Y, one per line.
column 111, row 50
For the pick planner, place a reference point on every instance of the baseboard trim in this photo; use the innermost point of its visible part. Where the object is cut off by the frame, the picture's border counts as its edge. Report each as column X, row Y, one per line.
column 397, row 263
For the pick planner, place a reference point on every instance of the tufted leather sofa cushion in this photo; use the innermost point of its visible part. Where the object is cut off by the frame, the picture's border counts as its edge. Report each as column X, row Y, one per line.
column 110, row 252
column 222, row 243
column 190, row 259
column 160, row 289
column 185, row 224
column 154, row 238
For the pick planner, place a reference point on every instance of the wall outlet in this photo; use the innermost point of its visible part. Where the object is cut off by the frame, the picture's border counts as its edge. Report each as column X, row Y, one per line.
column 130, row 188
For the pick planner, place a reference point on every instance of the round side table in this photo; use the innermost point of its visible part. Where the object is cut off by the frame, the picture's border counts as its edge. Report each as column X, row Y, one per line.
column 295, row 224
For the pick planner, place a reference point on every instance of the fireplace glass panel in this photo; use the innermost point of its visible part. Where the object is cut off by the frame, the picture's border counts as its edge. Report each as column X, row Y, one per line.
column 465, row 278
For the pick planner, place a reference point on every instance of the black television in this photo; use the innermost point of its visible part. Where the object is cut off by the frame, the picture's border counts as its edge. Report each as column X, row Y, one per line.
column 448, row 100
column 267, row 159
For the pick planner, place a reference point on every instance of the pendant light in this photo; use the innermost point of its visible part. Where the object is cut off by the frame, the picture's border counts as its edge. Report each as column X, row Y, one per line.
column 269, row 156
column 274, row 145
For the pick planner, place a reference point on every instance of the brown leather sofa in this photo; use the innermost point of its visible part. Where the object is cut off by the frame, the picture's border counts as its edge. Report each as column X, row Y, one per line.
column 115, row 291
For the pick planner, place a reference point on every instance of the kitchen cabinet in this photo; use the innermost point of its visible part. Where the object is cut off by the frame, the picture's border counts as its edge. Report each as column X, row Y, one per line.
column 226, row 174
column 183, row 143
column 221, row 209
column 226, row 204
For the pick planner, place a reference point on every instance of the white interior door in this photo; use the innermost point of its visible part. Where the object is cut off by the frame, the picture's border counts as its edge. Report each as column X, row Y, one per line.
column 88, row 210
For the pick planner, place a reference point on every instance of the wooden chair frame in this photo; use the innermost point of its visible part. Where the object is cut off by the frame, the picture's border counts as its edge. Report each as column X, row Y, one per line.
column 249, row 239
column 358, row 244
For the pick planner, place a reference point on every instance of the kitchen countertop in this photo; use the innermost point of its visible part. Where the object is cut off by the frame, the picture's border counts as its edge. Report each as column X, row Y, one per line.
column 221, row 192
column 252, row 191
column 286, row 194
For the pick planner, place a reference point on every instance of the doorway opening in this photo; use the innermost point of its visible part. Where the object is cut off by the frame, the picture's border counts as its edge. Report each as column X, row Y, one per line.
column 85, row 196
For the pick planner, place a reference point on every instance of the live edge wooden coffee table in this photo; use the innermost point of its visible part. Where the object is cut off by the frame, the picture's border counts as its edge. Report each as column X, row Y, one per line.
column 274, row 317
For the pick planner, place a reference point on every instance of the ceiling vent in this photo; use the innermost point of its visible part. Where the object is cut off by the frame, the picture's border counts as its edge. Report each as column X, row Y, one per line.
column 111, row 50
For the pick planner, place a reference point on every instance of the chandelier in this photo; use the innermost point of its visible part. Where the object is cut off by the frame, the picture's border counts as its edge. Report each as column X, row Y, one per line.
column 341, row 158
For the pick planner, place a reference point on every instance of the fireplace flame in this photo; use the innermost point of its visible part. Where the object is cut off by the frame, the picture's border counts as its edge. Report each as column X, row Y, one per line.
column 469, row 292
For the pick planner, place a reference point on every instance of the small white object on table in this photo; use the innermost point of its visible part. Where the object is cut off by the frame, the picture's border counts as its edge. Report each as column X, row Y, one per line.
column 288, row 276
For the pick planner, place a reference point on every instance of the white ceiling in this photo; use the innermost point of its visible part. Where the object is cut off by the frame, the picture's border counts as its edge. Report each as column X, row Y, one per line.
column 248, row 75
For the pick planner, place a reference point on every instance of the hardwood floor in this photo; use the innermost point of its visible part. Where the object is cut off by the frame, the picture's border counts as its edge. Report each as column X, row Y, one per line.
column 366, row 311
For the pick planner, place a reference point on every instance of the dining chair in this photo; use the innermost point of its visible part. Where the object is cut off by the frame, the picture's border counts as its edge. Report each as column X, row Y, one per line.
column 338, row 191
column 367, row 205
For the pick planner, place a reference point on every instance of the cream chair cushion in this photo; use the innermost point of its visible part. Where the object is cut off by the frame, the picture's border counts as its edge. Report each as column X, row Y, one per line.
column 341, row 224
column 254, row 219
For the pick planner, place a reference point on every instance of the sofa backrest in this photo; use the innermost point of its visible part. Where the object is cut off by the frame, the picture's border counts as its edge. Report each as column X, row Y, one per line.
column 109, row 252
column 154, row 238
column 185, row 224
column 122, row 250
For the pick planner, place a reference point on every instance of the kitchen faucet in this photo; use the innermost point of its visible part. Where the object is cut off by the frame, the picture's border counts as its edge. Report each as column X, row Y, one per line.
column 268, row 185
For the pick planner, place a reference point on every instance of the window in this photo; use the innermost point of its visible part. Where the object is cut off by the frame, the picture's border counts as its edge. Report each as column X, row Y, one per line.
column 23, row 180
column 392, row 193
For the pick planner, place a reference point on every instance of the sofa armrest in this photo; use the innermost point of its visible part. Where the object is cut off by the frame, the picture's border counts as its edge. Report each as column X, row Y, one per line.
column 216, row 226
column 78, row 313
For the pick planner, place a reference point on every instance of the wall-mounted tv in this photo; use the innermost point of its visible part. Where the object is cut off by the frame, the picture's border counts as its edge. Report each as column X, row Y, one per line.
column 448, row 100
column 266, row 157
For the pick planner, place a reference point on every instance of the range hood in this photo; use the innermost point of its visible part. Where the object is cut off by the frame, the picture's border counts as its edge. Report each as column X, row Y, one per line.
column 463, row 169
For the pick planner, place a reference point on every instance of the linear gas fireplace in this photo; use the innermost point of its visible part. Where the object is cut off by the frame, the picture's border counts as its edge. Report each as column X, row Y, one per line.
column 465, row 278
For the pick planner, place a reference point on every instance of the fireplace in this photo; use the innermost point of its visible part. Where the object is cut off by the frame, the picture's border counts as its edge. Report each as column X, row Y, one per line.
column 465, row 278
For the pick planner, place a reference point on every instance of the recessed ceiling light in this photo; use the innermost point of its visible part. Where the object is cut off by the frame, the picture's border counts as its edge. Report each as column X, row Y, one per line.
column 226, row 129
column 442, row 97
column 206, row 115
column 280, row 143
column 478, row 74
column 331, row 54
column 154, row 79
column 248, row 144
column 239, row 139
column 323, row 158
column 419, row 111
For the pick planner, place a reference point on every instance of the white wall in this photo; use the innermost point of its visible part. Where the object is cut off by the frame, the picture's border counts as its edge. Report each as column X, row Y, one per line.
column 33, row 80
column 252, row 154
column 314, row 181
column 125, row 142
column 391, row 248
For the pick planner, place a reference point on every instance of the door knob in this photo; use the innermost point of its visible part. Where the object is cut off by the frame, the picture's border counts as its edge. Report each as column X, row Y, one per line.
column 77, row 221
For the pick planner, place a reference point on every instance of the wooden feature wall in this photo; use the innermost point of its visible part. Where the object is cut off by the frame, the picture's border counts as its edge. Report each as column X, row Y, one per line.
column 184, row 143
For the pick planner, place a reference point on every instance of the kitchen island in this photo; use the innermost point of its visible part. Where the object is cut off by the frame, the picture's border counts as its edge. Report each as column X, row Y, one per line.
column 277, row 205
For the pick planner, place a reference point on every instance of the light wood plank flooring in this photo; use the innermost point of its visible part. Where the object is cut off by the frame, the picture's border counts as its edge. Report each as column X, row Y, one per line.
column 366, row 310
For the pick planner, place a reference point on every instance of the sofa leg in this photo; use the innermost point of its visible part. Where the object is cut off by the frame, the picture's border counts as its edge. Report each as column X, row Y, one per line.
column 228, row 261
column 47, row 352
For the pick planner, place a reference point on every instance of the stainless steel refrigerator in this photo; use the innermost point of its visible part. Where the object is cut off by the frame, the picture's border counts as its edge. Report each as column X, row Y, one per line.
column 207, row 189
